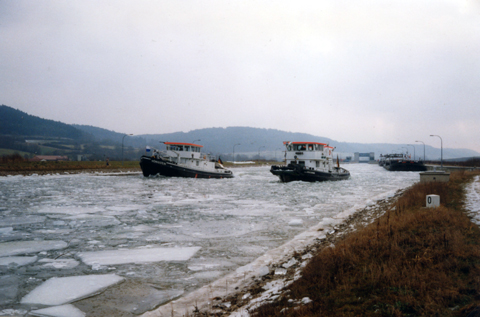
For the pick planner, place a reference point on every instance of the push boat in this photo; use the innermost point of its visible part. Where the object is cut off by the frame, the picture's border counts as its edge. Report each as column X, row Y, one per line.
column 310, row 162
column 182, row 160
column 401, row 163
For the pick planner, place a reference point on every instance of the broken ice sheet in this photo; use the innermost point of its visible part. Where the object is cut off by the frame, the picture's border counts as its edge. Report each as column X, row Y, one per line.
column 26, row 247
column 132, row 296
column 17, row 260
column 59, row 263
column 112, row 257
column 58, row 311
column 64, row 290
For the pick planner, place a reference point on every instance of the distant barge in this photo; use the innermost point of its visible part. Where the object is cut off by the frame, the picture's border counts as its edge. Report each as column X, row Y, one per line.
column 401, row 163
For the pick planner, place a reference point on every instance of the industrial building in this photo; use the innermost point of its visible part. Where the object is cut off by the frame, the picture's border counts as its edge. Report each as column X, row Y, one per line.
column 364, row 157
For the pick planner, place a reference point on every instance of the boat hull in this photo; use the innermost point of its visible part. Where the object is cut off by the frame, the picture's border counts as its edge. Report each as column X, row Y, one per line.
column 405, row 166
column 297, row 173
column 157, row 166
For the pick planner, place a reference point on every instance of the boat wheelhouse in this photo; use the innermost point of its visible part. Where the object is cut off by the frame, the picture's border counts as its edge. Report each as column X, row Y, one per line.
column 401, row 163
column 182, row 160
column 309, row 161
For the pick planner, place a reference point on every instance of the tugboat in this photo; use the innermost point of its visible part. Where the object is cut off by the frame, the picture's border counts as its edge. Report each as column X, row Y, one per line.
column 401, row 163
column 309, row 162
column 182, row 160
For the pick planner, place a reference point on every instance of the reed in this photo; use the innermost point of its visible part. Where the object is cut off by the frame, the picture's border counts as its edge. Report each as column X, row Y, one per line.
column 412, row 261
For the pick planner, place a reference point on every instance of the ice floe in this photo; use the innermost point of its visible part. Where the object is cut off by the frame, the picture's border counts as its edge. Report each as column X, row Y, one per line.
column 17, row 260
column 58, row 311
column 59, row 263
column 111, row 257
column 64, row 290
column 27, row 247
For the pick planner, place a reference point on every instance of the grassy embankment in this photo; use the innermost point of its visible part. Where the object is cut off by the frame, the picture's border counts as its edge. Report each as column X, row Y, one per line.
column 15, row 164
column 412, row 261
column 25, row 167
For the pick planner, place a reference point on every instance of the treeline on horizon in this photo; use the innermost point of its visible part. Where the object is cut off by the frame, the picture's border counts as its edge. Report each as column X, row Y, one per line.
column 32, row 135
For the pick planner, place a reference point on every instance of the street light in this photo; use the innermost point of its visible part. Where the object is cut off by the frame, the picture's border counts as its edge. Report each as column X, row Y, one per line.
column 234, row 151
column 196, row 141
column 441, row 149
column 122, row 145
column 413, row 150
column 423, row 150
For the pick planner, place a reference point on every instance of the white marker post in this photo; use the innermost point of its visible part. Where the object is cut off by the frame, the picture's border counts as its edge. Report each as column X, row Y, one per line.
column 433, row 201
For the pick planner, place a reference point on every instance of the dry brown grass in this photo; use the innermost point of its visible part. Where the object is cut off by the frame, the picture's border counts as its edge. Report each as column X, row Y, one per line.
column 412, row 261
column 42, row 168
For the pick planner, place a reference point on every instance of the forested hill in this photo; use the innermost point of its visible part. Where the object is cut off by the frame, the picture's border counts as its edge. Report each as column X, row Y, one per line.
column 15, row 122
column 247, row 139
column 103, row 135
column 16, row 127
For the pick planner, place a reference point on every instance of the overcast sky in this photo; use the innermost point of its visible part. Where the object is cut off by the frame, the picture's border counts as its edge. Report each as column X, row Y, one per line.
column 353, row 71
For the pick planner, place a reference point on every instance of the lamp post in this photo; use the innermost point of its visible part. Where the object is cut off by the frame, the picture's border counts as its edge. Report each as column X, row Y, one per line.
column 122, row 145
column 234, row 151
column 196, row 141
column 441, row 149
column 423, row 150
column 413, row 150
column 259, row 151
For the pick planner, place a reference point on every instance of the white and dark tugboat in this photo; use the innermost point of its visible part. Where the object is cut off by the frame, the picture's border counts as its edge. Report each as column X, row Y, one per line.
column 310, row 162
column 182, row 160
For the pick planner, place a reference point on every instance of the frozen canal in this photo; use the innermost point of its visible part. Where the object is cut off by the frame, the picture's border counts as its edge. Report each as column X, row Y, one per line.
column 140, row 242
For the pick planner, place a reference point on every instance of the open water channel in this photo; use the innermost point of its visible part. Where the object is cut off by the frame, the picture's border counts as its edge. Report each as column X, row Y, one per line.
column 141, row 242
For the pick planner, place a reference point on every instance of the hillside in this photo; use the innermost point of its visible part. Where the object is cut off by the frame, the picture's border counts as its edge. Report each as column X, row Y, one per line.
column 269, row 143
column 18, row 123
column 30, row 134
column 222, row 140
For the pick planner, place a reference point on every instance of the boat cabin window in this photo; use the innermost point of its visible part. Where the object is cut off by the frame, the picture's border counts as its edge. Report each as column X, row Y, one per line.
column 301, row 147
column 318, row 147
column 186, row 148
column 289, row 147
column 310, row 147
column 175, row 147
